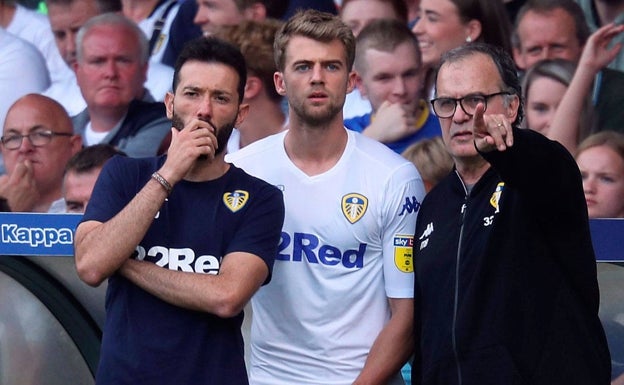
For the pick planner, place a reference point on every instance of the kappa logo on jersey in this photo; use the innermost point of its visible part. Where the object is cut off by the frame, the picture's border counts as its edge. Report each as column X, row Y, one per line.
column 411, row 205
column 496, row 196
column 235, row 200
column 424, row 237
column 354, row 206
column 403, row 246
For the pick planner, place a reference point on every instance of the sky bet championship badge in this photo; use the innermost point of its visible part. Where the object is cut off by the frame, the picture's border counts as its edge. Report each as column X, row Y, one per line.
column 354, row 206
column 403, row 248
column 235, row 200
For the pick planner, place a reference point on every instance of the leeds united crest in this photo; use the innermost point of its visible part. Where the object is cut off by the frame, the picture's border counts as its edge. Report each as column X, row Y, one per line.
column 354, row 206
column 235, row 200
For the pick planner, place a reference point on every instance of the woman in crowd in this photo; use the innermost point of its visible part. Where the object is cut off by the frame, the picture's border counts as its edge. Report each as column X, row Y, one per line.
column 543, row 87
column 446, row 24
column 600, row 158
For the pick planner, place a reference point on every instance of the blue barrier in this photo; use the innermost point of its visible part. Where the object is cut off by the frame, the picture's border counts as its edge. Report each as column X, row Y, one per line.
column 30, row 234
column 608, row 239
column 33, row 234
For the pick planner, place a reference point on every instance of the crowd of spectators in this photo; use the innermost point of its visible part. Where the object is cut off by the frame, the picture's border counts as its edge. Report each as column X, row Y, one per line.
column 552, row 31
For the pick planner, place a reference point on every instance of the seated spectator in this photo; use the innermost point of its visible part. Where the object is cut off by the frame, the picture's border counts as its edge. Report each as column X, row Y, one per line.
column 390, row 73
column 543, row 88
column 66, row 17
column 266, row 116
column 81, row 172
column 110, row 67
column 548, row 29
column 357, row 14
column 37, row 141
column 431, row 159
column 600, row 158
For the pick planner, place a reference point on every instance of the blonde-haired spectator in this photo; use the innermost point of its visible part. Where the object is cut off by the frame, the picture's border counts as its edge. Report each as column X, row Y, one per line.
column 431, row 159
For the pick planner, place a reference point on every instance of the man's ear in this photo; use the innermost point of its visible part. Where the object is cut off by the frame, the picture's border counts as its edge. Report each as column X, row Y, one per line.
column 243, row 110
column 280, row 85
column 76, row 143
column 253, row 87
column 519, row 58
column 351, row 81
column 359, row 84
column 512, row 109
column 169, row 104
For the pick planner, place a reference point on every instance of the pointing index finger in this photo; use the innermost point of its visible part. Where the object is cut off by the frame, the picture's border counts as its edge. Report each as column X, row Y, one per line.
column 478, row 121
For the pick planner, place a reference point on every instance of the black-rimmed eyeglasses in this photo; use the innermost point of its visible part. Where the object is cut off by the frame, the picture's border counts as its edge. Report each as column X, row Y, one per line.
column 37, row 138
column 445, row 107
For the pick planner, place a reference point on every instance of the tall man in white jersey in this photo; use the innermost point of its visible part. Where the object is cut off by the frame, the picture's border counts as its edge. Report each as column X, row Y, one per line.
column 339, row 308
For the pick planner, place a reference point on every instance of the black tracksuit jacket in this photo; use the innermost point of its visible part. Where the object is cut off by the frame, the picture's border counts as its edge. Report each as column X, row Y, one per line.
column 506, row 289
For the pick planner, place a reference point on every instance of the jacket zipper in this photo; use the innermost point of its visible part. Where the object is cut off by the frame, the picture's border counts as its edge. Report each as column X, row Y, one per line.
column 456, row 294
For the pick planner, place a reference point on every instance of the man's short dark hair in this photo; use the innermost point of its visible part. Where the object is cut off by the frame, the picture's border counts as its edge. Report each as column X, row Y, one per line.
column 213, row 50
column 91, row 158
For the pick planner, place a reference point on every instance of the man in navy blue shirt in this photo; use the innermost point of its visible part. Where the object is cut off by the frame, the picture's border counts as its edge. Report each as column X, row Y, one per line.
column 184, row 239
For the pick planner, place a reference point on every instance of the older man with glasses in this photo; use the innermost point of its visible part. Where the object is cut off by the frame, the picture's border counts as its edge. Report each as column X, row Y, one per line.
column 37, row 141
column 505, row 274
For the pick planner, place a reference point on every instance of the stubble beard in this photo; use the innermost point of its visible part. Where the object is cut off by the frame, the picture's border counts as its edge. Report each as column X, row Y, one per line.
column 317, row 118
column 222, row 133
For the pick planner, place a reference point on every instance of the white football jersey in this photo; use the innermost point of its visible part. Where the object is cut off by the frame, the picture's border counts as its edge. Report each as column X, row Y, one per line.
column 346, row 247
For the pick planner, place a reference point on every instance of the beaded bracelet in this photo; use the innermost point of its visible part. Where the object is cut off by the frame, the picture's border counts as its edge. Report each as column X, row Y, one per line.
column 163, row 182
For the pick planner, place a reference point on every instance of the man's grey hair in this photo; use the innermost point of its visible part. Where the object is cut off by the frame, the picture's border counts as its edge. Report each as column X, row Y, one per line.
column 114, row 19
